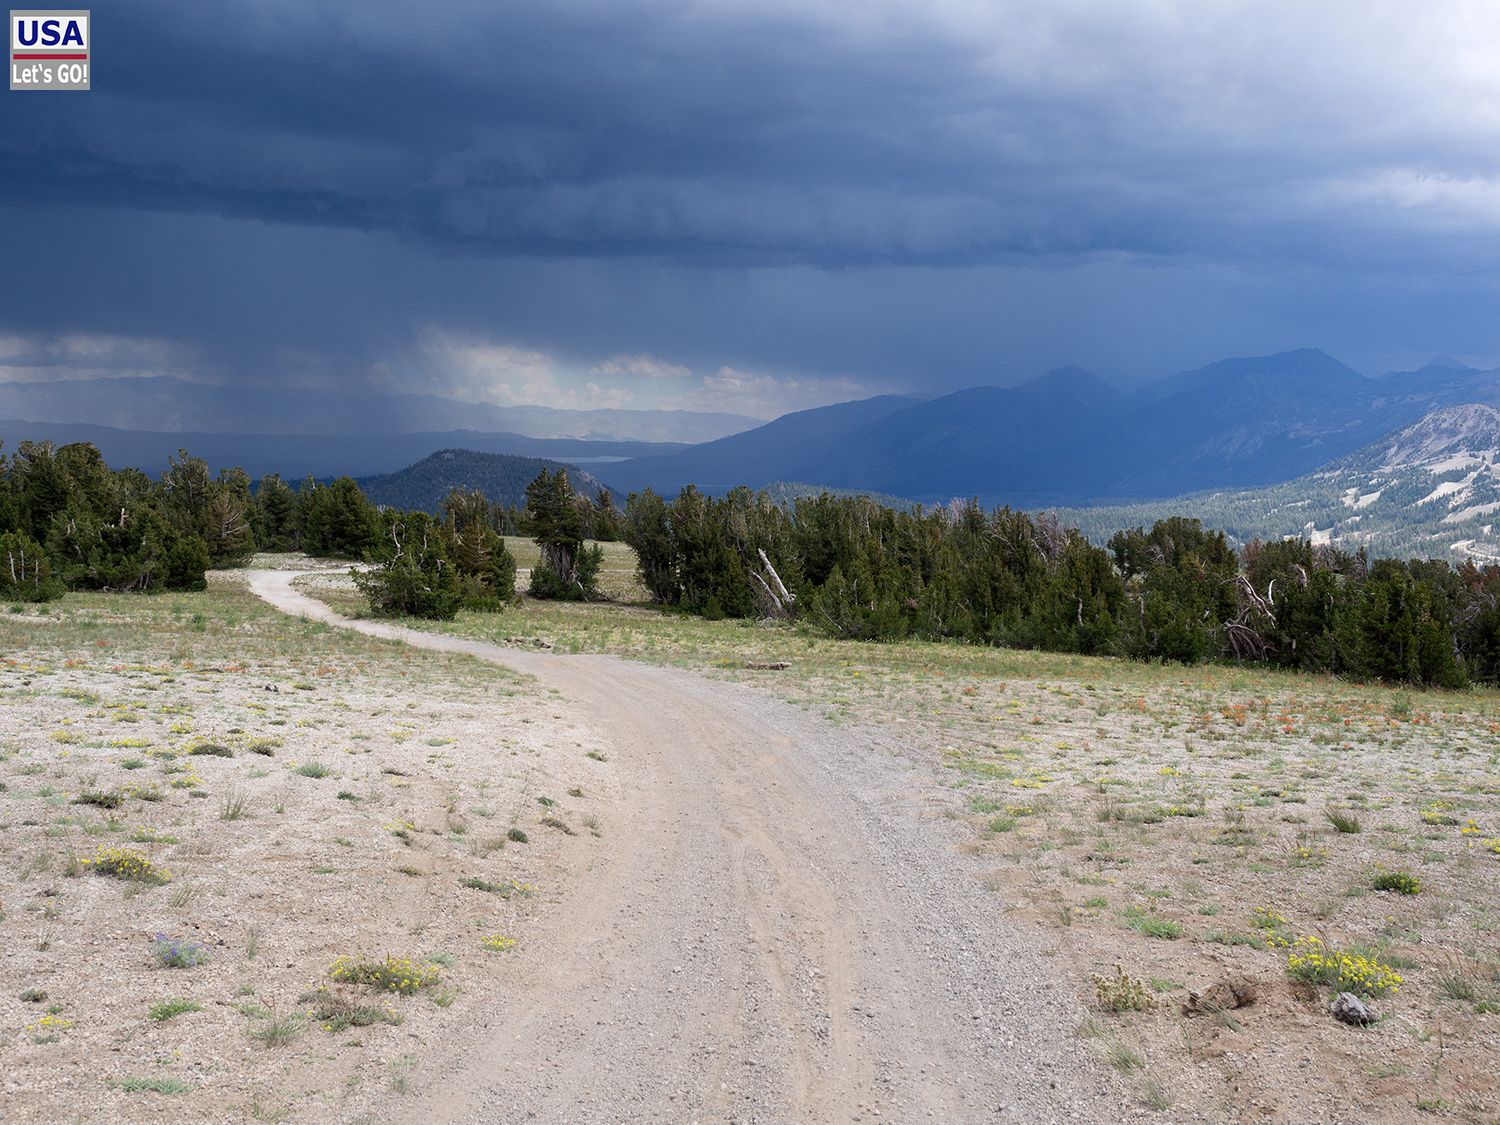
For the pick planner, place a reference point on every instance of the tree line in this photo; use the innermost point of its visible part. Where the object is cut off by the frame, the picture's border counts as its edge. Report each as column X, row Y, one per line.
column 70, row 522
column 849, row 567
column 844, row 565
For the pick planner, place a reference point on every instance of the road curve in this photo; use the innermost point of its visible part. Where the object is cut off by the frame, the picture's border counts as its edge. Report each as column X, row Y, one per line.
column 774, row 932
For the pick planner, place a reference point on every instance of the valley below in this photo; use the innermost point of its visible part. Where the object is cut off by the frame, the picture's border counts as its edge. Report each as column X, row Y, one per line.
column 1429, row 490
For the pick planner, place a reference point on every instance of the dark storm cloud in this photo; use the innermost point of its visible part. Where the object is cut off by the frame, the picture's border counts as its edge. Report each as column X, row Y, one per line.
column 826, row 135
column 273, row 303
column 892, row 195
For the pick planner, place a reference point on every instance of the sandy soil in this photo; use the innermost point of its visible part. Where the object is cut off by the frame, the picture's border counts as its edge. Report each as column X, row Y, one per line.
column 430, row 763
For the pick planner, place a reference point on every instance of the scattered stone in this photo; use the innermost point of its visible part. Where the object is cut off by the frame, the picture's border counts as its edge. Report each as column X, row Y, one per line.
column 1224, row 996
column 1349, row 1008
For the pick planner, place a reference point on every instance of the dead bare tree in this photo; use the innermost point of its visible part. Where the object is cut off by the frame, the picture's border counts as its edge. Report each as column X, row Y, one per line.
column 776, row 600
column 1049, row 536
column 1245, row 632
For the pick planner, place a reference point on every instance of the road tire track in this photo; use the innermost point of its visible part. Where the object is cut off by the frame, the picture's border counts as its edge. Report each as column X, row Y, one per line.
column 774, row 931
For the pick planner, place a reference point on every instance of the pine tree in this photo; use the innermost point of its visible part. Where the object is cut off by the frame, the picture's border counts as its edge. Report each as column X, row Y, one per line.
column 567, row 570
column 276, row 515
column 339, row 522
column 647, row 529
column 486, row 568
column 416, row 579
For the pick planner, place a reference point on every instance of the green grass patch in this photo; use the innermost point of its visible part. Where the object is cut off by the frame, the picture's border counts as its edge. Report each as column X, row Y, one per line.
column 150, row 1085
column 169, row 1009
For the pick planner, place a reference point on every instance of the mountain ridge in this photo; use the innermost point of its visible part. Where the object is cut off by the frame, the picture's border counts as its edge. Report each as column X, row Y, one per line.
column 501, row 477
column 776, row 451
column 1064, row 438
column 1070, row 438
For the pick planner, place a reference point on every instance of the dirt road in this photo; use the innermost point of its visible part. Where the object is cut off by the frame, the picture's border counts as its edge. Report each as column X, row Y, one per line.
column 777, row 932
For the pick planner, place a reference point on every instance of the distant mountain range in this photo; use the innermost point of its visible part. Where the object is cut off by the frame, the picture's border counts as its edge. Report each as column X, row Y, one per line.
column 295, row 456
column 1070, row 438
column 1238, row 428
column 1430, row 490
column 502, row 479
column 163, row 403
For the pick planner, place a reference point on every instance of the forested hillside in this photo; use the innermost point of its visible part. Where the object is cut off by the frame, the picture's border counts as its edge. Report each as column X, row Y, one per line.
column 502, row 479
column 1432, row 489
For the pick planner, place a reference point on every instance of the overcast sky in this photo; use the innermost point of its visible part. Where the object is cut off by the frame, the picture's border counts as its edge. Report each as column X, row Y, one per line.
column 752, row 206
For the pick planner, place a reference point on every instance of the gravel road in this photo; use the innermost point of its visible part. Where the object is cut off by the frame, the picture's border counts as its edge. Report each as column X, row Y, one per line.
column 778, row 929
